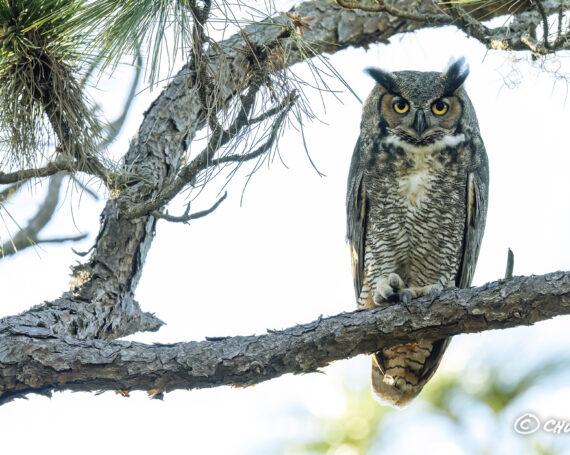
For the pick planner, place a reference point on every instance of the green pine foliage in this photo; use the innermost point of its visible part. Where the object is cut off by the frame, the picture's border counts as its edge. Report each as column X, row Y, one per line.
column 118, row 28
column 42, row 102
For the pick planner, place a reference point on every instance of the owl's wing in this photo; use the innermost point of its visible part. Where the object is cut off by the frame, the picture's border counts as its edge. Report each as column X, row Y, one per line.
column 357, row 218
column 477, row 195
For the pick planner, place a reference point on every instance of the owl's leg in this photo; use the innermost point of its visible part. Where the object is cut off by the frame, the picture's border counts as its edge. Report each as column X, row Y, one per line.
column 388, row 289
column 432, row 290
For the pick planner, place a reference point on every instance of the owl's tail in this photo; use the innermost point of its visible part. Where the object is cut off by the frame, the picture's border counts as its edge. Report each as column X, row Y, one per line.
column 400, row 372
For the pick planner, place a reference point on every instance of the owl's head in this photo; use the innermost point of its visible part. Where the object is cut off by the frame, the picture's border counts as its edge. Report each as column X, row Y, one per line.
column 421, row 107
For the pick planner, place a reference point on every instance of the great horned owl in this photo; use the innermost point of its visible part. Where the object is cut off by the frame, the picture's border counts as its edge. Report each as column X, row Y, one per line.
column 416, row 206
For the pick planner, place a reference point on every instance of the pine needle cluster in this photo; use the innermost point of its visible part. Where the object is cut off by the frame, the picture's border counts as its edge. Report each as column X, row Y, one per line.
column 119, row 29
column 42, row 105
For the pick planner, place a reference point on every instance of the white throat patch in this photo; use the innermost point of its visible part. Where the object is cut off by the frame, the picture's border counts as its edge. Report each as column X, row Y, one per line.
column 416, row 182
column 440, row 144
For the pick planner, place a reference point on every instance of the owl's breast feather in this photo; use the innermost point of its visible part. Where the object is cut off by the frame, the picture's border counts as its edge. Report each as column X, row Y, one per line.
column 414, row 187
column 417, row 166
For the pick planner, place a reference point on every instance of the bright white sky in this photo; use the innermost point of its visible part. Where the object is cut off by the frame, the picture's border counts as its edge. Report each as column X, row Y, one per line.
column 281, row 259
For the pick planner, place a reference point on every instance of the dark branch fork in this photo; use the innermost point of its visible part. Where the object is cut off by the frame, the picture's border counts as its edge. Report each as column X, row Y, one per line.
column 34, row 359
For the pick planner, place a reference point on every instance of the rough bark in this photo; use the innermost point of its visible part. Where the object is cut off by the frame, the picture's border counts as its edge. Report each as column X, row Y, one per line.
column 33, row 360
column 518, row 35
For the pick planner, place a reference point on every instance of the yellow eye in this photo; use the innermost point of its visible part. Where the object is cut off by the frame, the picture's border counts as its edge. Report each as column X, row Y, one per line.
column 401, row 106
column 439, row 108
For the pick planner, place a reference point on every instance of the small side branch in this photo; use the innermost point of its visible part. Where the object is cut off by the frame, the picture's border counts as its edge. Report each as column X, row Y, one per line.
column 382, row 6
column 284, row 107
column 72, row 238
column 113, row 129
column 52, row 168
column 544, row 18
column 187, row 216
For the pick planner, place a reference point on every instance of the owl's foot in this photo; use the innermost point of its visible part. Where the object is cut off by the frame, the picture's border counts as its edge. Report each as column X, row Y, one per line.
column 391, row 288
column 388, row 289
column 432, row 290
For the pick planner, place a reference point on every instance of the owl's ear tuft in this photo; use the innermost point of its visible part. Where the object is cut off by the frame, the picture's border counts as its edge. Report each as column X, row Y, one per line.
column 454, row 76
column 384, row 78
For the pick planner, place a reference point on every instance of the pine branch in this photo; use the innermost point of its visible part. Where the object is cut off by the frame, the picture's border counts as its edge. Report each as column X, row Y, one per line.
column 50, row 169
column 34, row 360
column 514, row 37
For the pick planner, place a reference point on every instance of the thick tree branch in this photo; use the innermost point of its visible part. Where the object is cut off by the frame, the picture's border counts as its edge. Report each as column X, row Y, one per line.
column 70, row 317
column 516, row 36
column 32, row 360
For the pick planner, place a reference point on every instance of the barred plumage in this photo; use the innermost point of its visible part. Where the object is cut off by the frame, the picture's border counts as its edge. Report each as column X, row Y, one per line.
column 416, row 206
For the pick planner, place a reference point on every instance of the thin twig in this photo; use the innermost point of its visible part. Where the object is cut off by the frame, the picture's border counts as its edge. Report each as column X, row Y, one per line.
column 114, row 128
column 187, row 216
column 29, row 235
column 560, row 19
column 73, row 238
column 268, row 143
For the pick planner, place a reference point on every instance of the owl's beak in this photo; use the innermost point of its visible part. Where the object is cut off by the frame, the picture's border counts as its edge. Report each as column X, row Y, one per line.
column 420, row 124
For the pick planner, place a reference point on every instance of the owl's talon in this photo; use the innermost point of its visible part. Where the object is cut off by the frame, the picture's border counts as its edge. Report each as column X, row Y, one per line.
column 406, row 296
column 388, row 289
column 435, row 292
